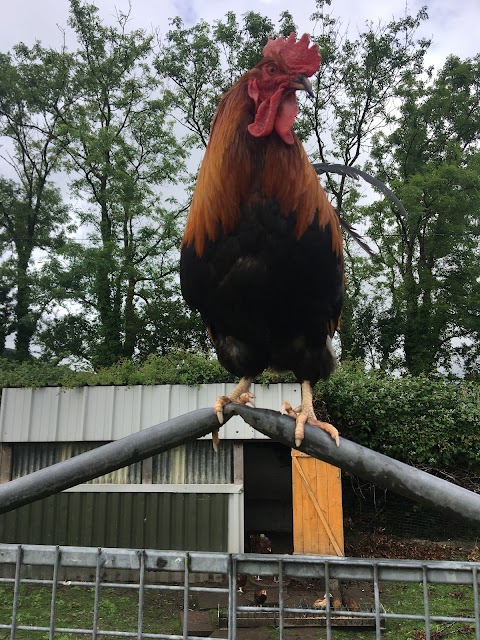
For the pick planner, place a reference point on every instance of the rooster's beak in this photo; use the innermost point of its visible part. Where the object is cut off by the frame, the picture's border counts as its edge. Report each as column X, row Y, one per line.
column 303, row 83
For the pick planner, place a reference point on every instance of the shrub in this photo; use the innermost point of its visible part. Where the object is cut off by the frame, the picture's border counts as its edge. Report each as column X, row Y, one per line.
column 418, row 420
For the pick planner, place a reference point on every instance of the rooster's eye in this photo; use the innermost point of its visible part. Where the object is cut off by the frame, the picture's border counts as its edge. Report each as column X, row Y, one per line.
column 272, row 69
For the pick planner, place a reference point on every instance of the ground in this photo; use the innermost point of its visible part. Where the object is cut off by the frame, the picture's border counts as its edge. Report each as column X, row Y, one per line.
column 379, row 545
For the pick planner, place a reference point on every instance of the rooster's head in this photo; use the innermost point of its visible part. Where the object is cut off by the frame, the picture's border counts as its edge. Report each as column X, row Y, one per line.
column 285, row 68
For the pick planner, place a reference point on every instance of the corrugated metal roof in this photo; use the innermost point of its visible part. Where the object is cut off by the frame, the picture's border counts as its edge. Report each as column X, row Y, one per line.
column 93, row 414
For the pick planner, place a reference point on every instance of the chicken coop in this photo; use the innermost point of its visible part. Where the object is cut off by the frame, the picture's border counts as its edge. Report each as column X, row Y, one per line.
column 187, row 498
column 200, row 588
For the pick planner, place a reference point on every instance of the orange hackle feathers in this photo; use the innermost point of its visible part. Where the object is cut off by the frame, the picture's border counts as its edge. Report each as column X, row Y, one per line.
column 225, row 173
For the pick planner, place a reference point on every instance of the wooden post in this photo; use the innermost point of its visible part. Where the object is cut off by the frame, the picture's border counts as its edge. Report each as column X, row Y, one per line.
column 236, row 520
column 238, row 463
column 317, row 506
column 5, row 462
column 147, row 471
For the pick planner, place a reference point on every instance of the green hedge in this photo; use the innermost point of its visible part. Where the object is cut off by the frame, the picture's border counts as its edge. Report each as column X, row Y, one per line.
column 175, row 368
column 418, row 420
column 421, row 421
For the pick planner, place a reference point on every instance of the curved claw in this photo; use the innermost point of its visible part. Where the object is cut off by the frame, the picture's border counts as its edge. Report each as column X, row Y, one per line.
column 329, row 428
column 215, row 439
column 220, row 402
column 302, row 418
column 300, row 428
column 305, row 413
column 287, row 410
column 238, row 396
column 246, row 398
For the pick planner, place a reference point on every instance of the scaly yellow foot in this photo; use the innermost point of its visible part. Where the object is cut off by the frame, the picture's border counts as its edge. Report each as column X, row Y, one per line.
column 305, row 413
column 240, row 395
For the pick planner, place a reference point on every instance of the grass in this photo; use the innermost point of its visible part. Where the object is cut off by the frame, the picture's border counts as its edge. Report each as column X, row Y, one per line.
column 444, row 600
column 406, row 598
column 118, row 611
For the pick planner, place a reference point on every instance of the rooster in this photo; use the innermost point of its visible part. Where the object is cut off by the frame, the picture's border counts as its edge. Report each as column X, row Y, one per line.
column 260, row 596
column 321, row 603
column 241, row 582
column 260, row 543
column 261, row 256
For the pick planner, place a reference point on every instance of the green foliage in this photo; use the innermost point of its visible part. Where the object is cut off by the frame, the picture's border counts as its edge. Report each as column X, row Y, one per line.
column 202, row 62
column 32, row 215
column 428, row 271
column 179, row 367
column 176, row 367
column 33, row 374
column 190, row 58
column 121, row 151
column 100, row 114
column 418, row 420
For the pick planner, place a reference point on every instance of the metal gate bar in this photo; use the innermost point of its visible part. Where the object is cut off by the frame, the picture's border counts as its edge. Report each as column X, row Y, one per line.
column 228, row 566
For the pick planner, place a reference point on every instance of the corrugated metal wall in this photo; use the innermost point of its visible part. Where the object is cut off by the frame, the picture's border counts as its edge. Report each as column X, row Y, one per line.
column 45, row 426
column 29, row 457
column 195, row 521
column 92, row 414
column 140, row 520
column 193, row 463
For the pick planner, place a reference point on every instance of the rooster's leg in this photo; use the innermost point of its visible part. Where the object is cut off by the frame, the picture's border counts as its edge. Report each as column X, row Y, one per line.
column 240, row 395
column 305, row 414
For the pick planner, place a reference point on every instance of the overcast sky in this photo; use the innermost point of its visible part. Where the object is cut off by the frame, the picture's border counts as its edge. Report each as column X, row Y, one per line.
column 453, row 25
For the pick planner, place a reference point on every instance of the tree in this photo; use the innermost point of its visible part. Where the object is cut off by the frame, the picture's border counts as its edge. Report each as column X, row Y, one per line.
column 122, row 148
column 32, row 216
column 202, row 62
column 356, row 91
column 429, row 275
column 103, row 114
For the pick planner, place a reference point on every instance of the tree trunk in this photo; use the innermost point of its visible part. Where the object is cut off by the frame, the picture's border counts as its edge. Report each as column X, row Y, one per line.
column 110, row 349
column 24, row 322
column 131, row 321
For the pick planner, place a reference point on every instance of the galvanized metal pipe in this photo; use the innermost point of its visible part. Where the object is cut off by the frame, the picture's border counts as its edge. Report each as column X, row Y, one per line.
column 107, row 458
column 372, row 466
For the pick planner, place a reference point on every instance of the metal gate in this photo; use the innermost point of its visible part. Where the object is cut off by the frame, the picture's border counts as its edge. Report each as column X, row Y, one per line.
column 218, row 573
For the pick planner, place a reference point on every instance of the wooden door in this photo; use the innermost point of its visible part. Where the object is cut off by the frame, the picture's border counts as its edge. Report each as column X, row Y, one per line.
column 317, row 506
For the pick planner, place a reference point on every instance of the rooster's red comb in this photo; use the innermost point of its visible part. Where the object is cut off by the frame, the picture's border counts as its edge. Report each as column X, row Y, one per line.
column 299, row 56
